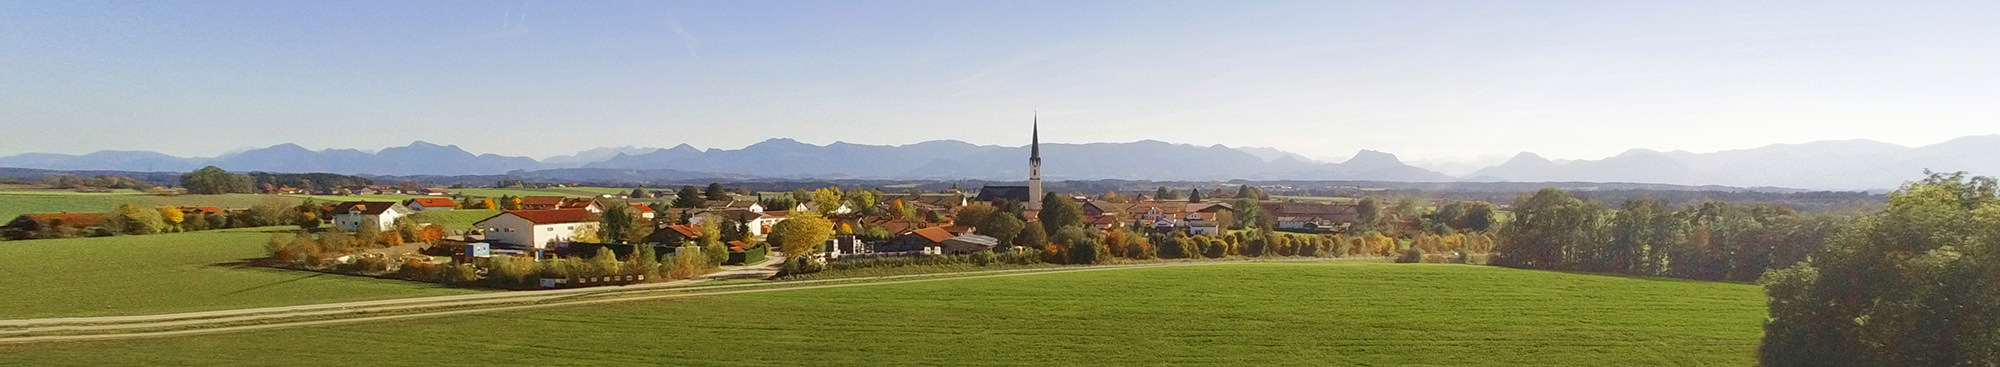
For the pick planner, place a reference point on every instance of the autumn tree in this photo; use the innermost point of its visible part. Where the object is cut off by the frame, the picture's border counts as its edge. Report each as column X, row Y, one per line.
column 1059, row 211
column 171, row 218
column 134, row 219
column 801, row 234
column 623, row 224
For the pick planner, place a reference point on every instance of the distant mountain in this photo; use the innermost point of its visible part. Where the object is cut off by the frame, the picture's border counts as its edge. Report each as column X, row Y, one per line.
column 104, row 161
column 1841, row 164
column 595, row 155
column 418, row 158
column 1273, row 154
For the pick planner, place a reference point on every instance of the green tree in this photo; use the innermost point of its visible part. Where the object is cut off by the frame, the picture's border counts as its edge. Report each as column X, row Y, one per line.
column 640, row 193
column 1004, row 227
column 1032, row 237
column 715, row 192
column 212, row 180
column 1080, row 246
column 1912, row 285
column 976, row 214
column 688, row 197
column 1059, row 211
column 710, row 239
column 623, row 224
column 1194, row 195
column 800, row 234
column 1367, row 213
column 1247, row 213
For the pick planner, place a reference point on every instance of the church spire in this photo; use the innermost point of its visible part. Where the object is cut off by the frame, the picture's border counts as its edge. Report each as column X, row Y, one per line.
column 1035, row 139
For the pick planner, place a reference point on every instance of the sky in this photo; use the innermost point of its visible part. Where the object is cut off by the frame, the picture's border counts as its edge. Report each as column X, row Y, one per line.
column 1426, row 80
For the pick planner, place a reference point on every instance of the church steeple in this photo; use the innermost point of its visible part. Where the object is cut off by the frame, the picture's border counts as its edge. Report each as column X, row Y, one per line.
column 1035, row 164
column 1035, row 140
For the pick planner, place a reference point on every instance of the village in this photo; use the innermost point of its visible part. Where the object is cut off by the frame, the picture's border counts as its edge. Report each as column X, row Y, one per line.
column 526, row 239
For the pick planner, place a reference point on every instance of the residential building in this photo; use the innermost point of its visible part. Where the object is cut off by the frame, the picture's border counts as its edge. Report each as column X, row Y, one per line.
column 423, row 204
column 536, row 229
column 350, row 216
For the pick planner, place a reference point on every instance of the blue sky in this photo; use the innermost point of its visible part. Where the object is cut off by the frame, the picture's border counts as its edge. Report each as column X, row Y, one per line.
column 1425, row 80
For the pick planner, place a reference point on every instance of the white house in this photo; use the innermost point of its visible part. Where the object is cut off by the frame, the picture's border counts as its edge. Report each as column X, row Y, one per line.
column 423, row 204
column 350, row 216
column 537, row 229
column 758, row 221
column 843, row 209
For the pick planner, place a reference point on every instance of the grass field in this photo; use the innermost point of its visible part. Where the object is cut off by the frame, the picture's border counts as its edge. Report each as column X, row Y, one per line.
column 16, row 203
column 1244, row 314
column 166, row 273
column 554, row 191
column 460, row 219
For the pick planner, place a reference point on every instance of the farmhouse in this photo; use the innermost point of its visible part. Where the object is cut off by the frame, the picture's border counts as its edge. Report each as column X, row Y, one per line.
column 758, row 221
column 537, row 229
column 426, row 204
column 1310, row 217
column 674, row 235
column 644, row 211
column 541, row 202
column 350, row 216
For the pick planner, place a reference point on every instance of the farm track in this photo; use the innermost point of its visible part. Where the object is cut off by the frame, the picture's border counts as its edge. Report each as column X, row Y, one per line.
column 206, row 322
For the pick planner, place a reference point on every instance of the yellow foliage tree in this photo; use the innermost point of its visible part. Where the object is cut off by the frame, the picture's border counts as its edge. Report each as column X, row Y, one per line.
column 801, row 234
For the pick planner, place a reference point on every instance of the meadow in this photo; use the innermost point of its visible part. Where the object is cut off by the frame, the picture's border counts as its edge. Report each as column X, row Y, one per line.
column 16, row 203
column 1241, row 314
column 166, row 273
column 553, row 191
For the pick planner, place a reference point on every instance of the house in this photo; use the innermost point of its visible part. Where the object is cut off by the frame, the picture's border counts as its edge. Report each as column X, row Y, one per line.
column 1160, row 217
column 644, row 211
column 541, row 202
column 578, row 203
column 350, row 216
column 674, row 235
column 31, row 225
column 434, row 191
column 843, row 245
column 536, row 229
column 966, row 244
column 1311, row 217
column 423, row 204
column 843, row 209
column 928, row 240
column 759, row 222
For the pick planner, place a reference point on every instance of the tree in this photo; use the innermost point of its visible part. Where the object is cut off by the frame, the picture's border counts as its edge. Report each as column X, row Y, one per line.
column 1081, row 245
column 801, row 234
column 1194, row 196
column 715, row 192
column 1032, row 236
column 134, row 219
column 1247, row 213
column 171, row 218
column 710, row 239
column 688, row 198
column 273, row 211
column 1059, row 211
column 623, row 224
column 976, row 214
column 1912, row 285
column 1166, row 193
column 1113, row 197
column 640, row 193
column 826, row 201
column 212, row 180
column 1004, row 227
column 1367, row 213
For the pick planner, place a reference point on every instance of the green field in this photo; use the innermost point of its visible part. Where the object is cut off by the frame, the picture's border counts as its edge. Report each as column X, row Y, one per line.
column 460, row 219
column 16, row 203
column 1243, row 314
column 165, row 273
column 554, row 191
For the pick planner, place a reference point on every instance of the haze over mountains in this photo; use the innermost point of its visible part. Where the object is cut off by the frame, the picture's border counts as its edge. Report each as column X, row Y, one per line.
column 1845, row 165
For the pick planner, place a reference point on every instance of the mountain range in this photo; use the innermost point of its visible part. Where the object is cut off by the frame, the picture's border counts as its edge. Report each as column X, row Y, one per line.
column 1843, row 165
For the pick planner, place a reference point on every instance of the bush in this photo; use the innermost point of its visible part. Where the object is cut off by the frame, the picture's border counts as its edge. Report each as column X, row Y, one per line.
column 982, row 258
column 1411, row 255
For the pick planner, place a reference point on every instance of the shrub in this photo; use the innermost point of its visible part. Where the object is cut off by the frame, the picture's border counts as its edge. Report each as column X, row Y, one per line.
column 982, row 258
column 509, row 271
column 460, row 273
column 1411, row 255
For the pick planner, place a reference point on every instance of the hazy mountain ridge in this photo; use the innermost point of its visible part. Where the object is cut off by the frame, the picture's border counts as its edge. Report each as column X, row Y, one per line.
column 1832, row 164
column 1838, row 164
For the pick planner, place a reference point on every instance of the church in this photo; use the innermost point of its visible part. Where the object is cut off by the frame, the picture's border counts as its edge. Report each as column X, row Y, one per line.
column 1030, row 195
